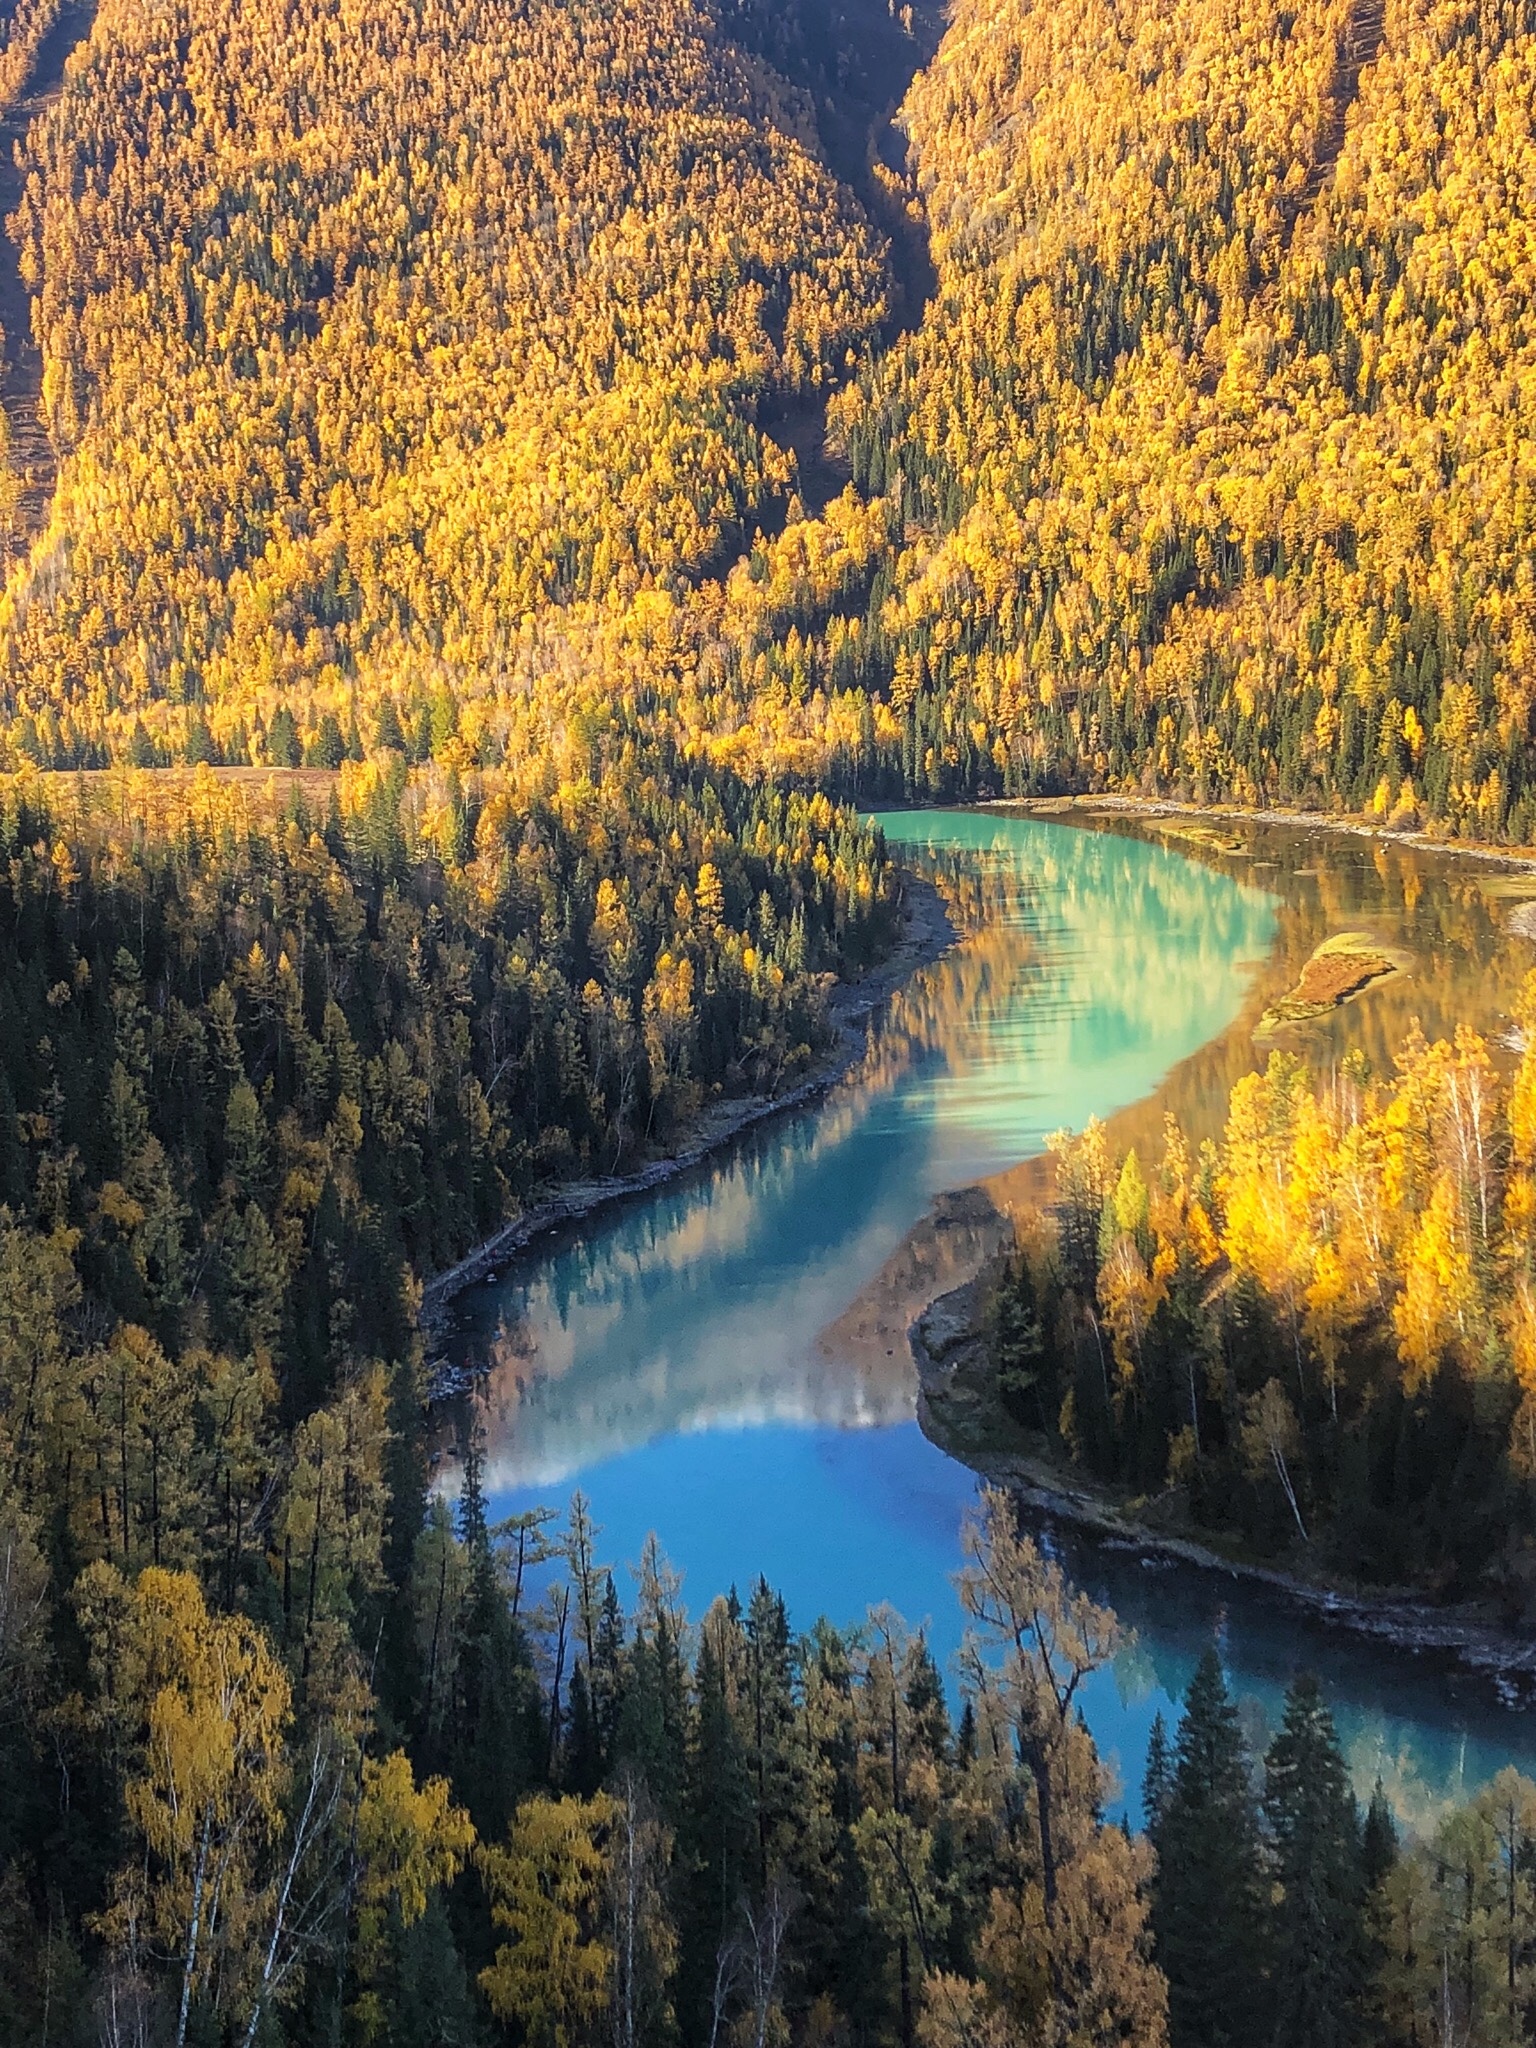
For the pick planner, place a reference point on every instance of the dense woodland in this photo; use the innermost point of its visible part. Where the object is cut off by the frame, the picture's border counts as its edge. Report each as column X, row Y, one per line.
column 437, row 396
column 405, row 358
column 1215, row 429
column 1320, row 1332
column 261, row 1072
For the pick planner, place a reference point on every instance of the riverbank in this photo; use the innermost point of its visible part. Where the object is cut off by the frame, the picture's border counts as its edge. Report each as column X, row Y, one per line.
column 1306, row 821
column 926, row 933
column 959, row 1416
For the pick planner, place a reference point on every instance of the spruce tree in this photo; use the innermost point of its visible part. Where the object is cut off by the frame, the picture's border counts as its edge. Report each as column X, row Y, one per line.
column 1378, row 1841
column 607, row 1678
column 583, row 1771
column 1157, row 1780
column 498, row 1715
column 1379, row 1850
column 1018, row 1346
column 1320, row 1953
column 772, row 1750
column 717, row 1837
column 1207, row 1914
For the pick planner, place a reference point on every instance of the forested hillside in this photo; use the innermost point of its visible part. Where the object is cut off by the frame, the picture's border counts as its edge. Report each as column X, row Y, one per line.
column 1204, row 470
column 371, row 333
column 1214, row 449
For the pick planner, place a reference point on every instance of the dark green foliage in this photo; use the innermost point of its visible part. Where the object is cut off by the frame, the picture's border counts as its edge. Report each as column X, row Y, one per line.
column 1018, row 1347
column 497, row 1742
column 426, row 1994
column 775, row 1763
column 1208, row 1911
column 652, row 1732
column 1319, row 1953
column 1157, row 1779
column 717, row 1837
column 1379, row 1843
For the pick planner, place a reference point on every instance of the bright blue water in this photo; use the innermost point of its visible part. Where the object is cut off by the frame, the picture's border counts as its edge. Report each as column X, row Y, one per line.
column 669, row 1359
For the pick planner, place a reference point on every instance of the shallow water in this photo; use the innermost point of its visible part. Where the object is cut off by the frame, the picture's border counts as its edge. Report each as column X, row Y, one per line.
column 704, row 1362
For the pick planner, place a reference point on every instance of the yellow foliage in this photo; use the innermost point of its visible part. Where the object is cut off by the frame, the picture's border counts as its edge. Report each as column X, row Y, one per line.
column 545, row 1888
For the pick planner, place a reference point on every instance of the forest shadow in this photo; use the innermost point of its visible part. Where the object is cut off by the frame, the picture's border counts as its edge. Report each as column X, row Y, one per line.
column 21, row 381
column 854, row 60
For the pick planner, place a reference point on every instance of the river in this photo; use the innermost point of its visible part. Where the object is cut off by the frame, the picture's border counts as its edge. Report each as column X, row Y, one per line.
column 721, row 1362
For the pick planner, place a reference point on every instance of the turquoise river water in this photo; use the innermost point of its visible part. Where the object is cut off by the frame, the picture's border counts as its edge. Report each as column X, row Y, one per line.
column 679, row 1359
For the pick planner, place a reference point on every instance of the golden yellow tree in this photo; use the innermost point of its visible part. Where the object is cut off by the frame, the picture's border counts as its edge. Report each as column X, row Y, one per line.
column 412, row 1840
column 547, row 1886
column 204, row 1707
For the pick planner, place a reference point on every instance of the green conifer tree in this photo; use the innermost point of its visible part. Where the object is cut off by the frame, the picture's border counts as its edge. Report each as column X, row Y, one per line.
column 1208, row 1908
column 1157, row 1780
column 772, row 1749
column 717, row 1835
column 1320, row 1956
column 498, row 1713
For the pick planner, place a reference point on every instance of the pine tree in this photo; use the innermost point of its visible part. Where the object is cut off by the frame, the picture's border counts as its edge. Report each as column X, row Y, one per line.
column 1208, row 1910
column 426, row 1997
column 498, row 1713
column 1379, row 1852
column 1320, row 1955
column 772, row 1751
column 652, row 1733
column 1157, row 1780
column 717, row 1844
column 1018, row 1345
column 1378, row 1841
column 583, row 1761
column 607, row 1681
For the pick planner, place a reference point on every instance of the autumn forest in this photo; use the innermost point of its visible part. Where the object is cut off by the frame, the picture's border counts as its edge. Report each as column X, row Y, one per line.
column 492, row 498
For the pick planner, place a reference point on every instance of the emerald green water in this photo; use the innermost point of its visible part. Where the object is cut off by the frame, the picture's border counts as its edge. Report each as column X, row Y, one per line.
column 682, row 1359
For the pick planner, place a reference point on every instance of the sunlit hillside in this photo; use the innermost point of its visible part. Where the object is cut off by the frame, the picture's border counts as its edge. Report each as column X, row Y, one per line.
column 1214, row 450
column 395, row 412
column 370, row 332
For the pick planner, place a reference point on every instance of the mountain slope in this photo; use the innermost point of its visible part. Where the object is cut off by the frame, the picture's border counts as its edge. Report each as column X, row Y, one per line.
column 372, row 330
column 1218, row 435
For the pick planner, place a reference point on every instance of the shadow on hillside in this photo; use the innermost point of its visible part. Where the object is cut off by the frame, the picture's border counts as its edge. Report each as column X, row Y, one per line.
column 854, row 60
column 21, row 384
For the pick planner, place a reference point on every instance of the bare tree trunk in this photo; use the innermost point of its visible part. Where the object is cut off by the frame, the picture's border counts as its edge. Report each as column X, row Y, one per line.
column 1040, row 1770
column 766, row 1928
column 189, row 1964
column 315, row 1815
column 1284, row 1472
column 728, row 1962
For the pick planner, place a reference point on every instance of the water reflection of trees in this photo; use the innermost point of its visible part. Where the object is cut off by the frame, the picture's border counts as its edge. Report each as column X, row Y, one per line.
column 958, row 1006
column 1430, row 1748
column 1077, row 952
column 1451, row 913
column 1087, row 935
column 653, row 1324
column 1110, row 941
